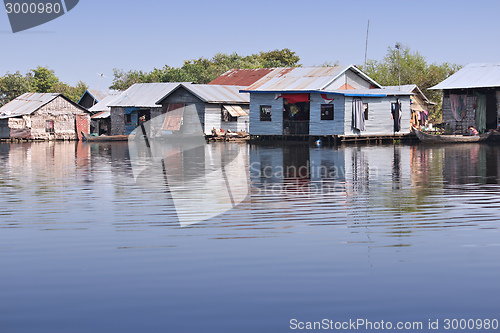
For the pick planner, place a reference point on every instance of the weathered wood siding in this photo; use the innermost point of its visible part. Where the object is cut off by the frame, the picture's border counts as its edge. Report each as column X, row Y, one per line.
column 454, row 126
column 213, row 118
column 59, row 110
column 87, row 101
column 182, row 95
column 274, row 127
column 379, row 120
column 326, row 127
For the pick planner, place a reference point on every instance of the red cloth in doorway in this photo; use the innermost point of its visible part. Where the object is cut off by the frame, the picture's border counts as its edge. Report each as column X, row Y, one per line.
column 296, row 98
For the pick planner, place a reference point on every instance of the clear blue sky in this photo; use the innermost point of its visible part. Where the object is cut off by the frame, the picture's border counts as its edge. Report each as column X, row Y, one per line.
column 97, row 36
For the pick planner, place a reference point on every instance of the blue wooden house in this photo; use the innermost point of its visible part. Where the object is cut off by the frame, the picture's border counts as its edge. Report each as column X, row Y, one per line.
column 324, row 101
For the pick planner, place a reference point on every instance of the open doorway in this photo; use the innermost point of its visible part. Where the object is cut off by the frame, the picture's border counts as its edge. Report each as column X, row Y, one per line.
column 296, row 114
column 491, row 110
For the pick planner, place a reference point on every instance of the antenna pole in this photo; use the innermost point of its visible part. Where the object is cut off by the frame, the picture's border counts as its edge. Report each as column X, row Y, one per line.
column 366, row 46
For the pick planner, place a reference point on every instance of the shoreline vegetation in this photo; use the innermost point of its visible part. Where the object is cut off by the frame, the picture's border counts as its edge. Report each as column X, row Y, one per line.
column 401, row 65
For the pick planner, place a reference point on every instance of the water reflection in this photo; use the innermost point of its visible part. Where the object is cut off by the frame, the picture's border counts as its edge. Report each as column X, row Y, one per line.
column 366, row 224
column 352, row 185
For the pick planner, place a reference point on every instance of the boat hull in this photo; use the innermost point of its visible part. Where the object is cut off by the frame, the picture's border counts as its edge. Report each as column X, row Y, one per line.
column 431, row 138
column 103, row 138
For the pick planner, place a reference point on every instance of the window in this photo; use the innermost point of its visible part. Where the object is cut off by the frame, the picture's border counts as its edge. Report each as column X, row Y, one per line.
column 326, row 111
column 265, row 112
column 49, row 126
column 128, row 118
column 365, row 107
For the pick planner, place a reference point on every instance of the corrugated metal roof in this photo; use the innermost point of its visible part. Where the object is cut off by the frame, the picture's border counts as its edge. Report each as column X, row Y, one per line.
column 303, row 78
column 98, row 95
column 104, row 104
column 477, row 75
column 410, row 88
column 210, row 93
column 26, row 104
column 403, row 87
column 144, row 94
column 241, row 77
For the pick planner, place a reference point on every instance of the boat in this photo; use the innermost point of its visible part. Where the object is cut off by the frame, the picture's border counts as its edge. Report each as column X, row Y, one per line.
column 443, row 138
column 92, row 138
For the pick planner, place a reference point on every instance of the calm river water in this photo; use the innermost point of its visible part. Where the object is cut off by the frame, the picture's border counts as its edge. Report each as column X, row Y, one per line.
column 399, row 234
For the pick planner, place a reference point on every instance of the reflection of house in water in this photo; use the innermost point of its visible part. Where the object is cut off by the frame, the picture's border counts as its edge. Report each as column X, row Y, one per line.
column 470, row 164
column 352, row 171
column 46, row 160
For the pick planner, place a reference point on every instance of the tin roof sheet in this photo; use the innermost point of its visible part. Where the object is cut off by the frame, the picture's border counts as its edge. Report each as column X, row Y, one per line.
column 26, row 104
column 235, row 110
column 144, row 94
column 303, row 78
column 102, row 115
column 103, row 105
column 241, row 77
column 477, row 75
column 223, row 94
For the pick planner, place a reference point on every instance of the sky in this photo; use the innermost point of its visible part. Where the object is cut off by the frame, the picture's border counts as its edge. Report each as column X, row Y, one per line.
column 97, row 36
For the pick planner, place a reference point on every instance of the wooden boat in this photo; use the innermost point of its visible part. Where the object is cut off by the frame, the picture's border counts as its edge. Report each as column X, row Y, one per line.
column 91, row 138
column 433, row 138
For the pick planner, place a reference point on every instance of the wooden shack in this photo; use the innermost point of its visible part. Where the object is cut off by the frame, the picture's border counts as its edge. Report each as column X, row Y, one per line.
column 91, row 97
column 137, row 103
column 324, row 101
column 46, row 116
column 218, row 106
column 471, row 97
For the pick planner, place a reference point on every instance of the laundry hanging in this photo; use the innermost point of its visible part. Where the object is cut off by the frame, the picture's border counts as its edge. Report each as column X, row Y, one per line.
column 396, row 115
column 358, row 114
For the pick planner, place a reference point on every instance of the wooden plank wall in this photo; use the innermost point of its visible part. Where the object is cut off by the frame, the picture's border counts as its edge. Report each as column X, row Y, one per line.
column 274, row 127
column 326, row 127
column 379, row 120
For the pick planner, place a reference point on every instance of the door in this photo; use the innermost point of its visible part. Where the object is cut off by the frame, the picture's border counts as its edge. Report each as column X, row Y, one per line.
column 82, row 125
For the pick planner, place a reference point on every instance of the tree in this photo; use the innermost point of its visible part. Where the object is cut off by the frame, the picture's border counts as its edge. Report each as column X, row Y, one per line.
column 203, row 70
column 44, row 80
column 413, row 69
column 279, row 58
column 12, row 86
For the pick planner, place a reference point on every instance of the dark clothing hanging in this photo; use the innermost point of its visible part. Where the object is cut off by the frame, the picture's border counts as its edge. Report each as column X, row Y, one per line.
column 396, row 115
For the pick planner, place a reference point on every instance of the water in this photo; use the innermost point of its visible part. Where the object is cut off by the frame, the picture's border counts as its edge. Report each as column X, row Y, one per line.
column 392, row 233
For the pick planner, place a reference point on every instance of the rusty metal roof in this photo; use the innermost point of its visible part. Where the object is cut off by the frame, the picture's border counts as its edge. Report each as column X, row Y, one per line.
column 241, row 77
column 210, row 93
column 478, row 75
column 304, row 78
column 26, row 104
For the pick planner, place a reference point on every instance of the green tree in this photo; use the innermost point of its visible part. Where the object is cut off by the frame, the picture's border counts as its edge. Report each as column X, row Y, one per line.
column 12, row 86
column 44, row 80
column 203, row 70
column 401, row 64
column 279, row 58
